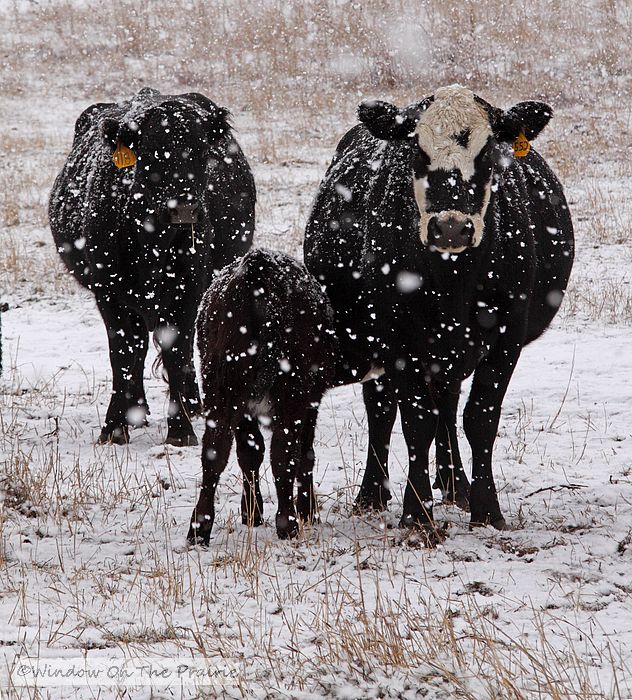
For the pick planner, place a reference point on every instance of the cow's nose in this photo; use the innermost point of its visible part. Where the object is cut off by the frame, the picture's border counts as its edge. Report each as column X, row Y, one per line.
column 450, row 233
column 183, row 211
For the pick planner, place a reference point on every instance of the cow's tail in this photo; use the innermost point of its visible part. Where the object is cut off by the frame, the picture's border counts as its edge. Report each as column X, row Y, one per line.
column 238, row 330
column 158, row 368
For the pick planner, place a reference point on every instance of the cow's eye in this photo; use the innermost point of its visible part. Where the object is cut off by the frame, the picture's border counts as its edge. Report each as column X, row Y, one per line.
column 421, row 162
column 462, row 137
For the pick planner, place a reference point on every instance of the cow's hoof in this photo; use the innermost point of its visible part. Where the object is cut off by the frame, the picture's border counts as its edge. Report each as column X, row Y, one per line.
column 200, row 530
column 307, row 508
column 251, row 519
column 429, row 533
column 368, row 501
column 460, row 500
column 286, row 527
column 310, row 516
column 416, row 521
column 114, row 436
column 455, row 492
column 501, row 524
column 498, row 524
column 182, row 440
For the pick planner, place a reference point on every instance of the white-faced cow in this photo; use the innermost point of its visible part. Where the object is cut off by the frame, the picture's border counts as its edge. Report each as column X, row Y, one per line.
column 443, row 252
column 154, row 196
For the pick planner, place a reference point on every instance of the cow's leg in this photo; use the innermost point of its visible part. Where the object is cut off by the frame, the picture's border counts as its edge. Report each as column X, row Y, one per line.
column 451, row 478
column 174, row 344
column 284, row 455
column 216, row 445
column 419, row 424
column 136, row 397
column 306, row 503
column 250, row 451
column 127, row 340
column 191, row 394
column 480, row 421
column 381, row 410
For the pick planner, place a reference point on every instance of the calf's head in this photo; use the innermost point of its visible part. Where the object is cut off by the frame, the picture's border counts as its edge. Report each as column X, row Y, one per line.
column 457, row 155
column 172, row 143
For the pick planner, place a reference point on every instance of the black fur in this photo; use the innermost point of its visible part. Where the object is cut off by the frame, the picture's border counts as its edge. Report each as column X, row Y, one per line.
column 267, row 348
column 468, row 313
column 386, row 121
column 126, row 234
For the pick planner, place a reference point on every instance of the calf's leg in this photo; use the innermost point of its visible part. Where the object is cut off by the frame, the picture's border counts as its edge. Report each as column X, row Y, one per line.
column 284, row 456
column 250, row 451
column 216, row 445
column 306, row 504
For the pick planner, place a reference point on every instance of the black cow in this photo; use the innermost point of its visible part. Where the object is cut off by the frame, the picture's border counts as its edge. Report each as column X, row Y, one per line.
column 443, row 254
column 154, row 196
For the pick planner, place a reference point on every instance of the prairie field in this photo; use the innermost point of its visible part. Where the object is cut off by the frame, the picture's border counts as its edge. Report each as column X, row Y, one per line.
column 93, row 554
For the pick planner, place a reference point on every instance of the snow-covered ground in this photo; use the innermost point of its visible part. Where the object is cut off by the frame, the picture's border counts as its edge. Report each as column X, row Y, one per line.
column 93, row 559
column 94, row 556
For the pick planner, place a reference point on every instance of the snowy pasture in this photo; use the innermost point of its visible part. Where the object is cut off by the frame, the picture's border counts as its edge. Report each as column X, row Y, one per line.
column 93, row 558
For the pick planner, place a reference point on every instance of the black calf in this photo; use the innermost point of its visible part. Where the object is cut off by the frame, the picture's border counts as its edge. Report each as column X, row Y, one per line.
column 267, row 353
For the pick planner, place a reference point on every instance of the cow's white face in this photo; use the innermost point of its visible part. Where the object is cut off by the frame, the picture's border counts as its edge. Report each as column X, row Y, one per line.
column 452, row 170
column 456, row 140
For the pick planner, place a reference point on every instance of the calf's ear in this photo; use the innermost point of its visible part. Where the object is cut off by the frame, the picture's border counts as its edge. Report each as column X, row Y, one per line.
column 385, row 121
column 530, row 117
column 109, row 131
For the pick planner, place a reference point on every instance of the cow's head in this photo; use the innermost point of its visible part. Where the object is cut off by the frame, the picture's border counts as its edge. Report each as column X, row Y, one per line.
column 457, row 140
column 172, row 142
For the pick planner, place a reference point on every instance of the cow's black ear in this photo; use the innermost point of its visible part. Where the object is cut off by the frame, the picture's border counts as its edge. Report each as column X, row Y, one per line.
column 218, row 116
column 109, row 130
column 219, row 113
column 218, row 121
column 88, row 117
column 147, row 92
column 385, row 121
column 530, row 117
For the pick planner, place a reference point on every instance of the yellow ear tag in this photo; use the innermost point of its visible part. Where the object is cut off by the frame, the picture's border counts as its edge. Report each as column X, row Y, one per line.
column 521, row 145
column 123, row 156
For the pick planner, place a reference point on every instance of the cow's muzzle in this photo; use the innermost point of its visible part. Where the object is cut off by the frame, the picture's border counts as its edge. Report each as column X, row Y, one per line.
column 450, row 234
column 180, row 212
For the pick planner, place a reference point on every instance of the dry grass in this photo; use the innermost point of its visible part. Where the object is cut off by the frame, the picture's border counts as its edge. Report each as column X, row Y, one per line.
column 257, row 52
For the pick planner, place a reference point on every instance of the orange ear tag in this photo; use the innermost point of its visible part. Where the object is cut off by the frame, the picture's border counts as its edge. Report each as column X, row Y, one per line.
column 123, row 156
column 521, row 145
